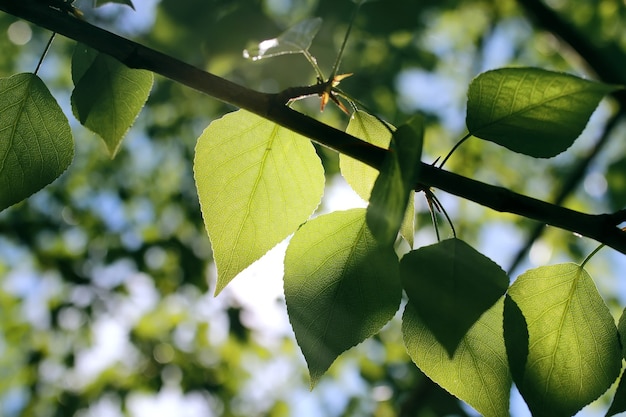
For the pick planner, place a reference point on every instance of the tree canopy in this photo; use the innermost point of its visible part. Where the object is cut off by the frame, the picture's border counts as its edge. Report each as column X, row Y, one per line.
column 312, row 207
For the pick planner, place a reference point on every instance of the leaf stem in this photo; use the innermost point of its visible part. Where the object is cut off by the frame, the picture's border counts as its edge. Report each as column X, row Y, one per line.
column 345, row 41
column 442, row 209
column 45, row 52
column 313, row 62
column 433, row 216
column 459, row 143
column 596, row 250
column 354, row 101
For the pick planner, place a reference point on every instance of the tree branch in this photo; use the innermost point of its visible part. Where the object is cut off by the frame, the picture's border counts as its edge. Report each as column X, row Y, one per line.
column 599, row 60
column 602, row 228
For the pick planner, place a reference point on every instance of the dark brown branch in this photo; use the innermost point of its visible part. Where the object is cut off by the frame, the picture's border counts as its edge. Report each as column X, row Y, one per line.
column 271, row 106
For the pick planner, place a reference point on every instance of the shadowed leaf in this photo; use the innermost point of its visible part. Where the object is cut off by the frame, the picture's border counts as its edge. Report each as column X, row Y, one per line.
column 619, row 400
column 108, row 96
column 341, row 286
column 451, row 285
column 362, row 177
column 394, row 185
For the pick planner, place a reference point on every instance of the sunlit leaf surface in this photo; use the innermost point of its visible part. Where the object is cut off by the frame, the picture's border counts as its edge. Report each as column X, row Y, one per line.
column 108, row 96
column 36, row 143
column 531, row 111
column 294, row 40
column 478, row 373
column 341, row 286
column 561, row 338
column 257, row 182
column 450, row 285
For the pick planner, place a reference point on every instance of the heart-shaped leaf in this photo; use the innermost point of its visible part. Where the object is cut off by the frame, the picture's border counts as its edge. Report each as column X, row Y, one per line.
column 36, row 144
column 257, row 182
column 478, row 373
column 451, row 285
column 397, row 178
column 563, row 339
column 531, row 111
column 108, row 96
column 341, row 286
column 295, row 40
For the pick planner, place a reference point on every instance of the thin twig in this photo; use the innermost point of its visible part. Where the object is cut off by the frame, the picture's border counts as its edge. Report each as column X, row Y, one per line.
column 459, row 143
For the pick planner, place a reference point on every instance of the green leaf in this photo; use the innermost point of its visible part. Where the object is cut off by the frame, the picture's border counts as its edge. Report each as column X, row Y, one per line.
column 531, row 111
column 257, row 182
column 621, row 328
column 478, row 373
column 99, row 3
column 108, row 96
column 451, row 285
column 294, row 40
column 563, row 339
column 361, row 177
column 341, row 287
column 398, row 176
column 36, row 144
column 619, row 400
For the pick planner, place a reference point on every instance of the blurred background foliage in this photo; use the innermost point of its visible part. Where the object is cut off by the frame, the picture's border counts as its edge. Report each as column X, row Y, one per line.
column 106, row 276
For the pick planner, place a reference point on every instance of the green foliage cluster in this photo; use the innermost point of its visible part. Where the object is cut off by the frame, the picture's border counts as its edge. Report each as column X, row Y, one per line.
column 346, row 273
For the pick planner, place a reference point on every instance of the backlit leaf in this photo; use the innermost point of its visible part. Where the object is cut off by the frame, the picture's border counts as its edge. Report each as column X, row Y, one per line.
column 257, row 182
column 450, row 285
column 36, row 144
column 108, row 96
column 619, row 400
column 531, row 111
column 341, row 286
column 360, row 176
column 572, row 353
column 621, row 328
column 397, row 178
column 478, row 373
column 294, row 40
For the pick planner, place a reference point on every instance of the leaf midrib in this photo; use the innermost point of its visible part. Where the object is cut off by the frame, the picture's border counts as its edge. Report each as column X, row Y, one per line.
column 525, row 109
